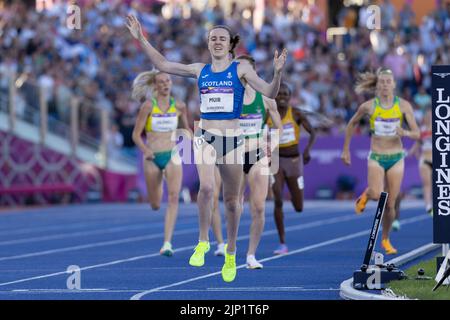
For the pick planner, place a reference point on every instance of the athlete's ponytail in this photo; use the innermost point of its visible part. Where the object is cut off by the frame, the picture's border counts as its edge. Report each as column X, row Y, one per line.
column 367, row 81
column 143, row 85
column 233, row 42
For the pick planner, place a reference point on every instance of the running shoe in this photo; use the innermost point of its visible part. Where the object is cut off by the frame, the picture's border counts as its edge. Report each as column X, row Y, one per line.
column 387, row 246
column 396, row 225
column 229, row 268
column 166, row 249
column 361, row 202
column 198, row 257
column 282, row 249
column 252, row 263
column 220, row 250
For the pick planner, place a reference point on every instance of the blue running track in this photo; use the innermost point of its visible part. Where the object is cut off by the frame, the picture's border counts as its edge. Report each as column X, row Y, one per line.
column 117, row 248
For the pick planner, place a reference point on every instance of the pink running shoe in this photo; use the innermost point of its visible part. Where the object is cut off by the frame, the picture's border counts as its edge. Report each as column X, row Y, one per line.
column 282, row 249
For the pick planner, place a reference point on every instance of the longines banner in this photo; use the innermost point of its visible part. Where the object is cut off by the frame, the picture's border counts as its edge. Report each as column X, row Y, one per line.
column 441, row 151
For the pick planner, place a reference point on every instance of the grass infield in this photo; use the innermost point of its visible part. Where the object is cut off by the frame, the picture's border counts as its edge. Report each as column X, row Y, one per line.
column 420, row 289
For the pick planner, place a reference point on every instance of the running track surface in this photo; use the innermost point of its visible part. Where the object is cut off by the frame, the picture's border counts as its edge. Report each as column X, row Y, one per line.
column 117, row 248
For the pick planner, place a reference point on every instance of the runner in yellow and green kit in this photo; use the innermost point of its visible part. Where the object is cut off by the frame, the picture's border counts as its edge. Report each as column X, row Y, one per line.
column 387, row 113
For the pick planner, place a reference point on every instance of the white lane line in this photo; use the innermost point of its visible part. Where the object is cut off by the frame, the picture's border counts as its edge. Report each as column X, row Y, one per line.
column 93, row 245
column 67, row 225
column 237, row 289
column 155, row 236
column 148, row 226
column 109, row 229
column 136, row 258
column 267, row 289
column 318, row 245
column 64, row 224
column 307, row 248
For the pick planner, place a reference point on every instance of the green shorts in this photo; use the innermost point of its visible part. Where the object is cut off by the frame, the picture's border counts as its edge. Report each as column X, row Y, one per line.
column 387, row 161
column 162, row 158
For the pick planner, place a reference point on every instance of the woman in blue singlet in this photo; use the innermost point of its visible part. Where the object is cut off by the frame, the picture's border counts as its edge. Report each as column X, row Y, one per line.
column 159, row 116
column 218, row 138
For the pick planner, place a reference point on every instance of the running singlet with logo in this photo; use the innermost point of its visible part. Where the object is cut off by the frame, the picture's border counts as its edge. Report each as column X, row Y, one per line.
column 253, row 117
column 384, row 122
column 221, row 93
column 159, row 121
column 426, row 136
column 291, row 130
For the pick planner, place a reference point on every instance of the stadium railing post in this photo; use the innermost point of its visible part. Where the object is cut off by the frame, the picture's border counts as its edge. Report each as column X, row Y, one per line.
column 74, row 124
column 12, row 102
column 44, row 115
column 104, row 138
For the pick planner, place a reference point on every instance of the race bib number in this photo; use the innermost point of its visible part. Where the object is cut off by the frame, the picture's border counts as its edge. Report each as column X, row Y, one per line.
column 217, row 100
column 164, row 122
column 288, row 135
column 250, row 123
column 386, row 127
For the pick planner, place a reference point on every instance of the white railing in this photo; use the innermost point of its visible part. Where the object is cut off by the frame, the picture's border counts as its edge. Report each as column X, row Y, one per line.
column 37, row 114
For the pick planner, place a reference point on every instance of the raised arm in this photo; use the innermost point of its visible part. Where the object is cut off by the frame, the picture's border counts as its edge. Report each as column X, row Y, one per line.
column 407, row 110
column 271, row 107
column 273, row 136
column 247, row 72
column 139, row 126
column 349, row 130
column 159, row 61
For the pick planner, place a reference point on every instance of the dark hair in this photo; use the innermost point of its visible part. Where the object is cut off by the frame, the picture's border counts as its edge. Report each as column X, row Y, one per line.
column 234, row 39
column 285, row 85
column 249, row 59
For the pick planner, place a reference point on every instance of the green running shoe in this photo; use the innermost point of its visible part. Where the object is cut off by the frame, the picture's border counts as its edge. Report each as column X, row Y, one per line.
column 229, row 268
column 198, row 257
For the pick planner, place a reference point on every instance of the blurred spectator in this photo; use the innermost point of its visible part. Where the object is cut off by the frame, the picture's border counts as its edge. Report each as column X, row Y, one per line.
column 388, row 14
column 99, row 62
column 115, row 142
column 406, row 15
column 126, row 118
column 422, row 99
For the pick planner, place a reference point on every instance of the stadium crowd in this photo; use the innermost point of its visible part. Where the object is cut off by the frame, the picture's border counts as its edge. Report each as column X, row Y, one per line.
column 99, row 62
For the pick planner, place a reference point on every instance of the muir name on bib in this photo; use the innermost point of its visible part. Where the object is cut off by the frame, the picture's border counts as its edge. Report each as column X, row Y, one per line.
column 216, row 100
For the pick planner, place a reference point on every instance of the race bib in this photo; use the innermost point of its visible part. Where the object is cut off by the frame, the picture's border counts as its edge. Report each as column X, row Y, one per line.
column 164, row 122
column 250, row 123
column 427, row 140
column 217, row 100
column 427, row 144
column 288, row 135
column 386, row 127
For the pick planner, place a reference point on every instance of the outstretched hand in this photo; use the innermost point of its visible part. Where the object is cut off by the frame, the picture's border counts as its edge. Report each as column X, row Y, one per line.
column 345, row 156
column 134, row 27
column 279, row 61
